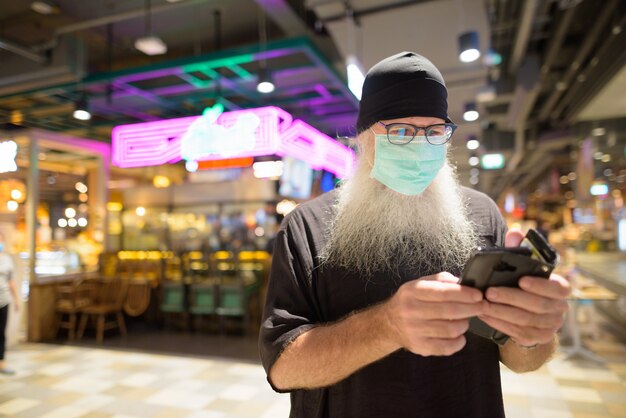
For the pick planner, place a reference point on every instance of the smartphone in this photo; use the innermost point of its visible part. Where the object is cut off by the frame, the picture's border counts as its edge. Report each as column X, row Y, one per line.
column 504, row 267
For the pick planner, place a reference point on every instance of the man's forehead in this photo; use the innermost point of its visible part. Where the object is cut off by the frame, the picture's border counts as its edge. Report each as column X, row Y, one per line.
column 416, row 120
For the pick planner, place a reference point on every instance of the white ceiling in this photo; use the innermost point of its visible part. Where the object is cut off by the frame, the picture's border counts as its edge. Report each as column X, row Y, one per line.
column 610, row 102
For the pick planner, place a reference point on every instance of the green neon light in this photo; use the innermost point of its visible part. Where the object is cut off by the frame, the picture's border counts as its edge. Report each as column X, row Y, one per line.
column 241, row 72
column 195, row 81
column 220, row 62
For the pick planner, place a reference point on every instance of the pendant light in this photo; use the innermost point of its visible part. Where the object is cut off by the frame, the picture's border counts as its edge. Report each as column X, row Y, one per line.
column 264, row 84
column 150, row 44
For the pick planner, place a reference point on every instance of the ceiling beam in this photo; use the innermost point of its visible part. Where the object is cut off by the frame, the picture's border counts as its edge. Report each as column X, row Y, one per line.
column 591, row 39
column 522, row 35
column 283, row 15
column 23, row 52
column 120, row 17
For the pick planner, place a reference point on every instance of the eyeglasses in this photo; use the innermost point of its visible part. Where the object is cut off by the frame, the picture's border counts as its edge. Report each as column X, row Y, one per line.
column 403, row 133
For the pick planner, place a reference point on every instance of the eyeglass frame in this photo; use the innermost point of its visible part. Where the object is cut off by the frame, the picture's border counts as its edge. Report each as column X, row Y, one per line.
column 417, row 129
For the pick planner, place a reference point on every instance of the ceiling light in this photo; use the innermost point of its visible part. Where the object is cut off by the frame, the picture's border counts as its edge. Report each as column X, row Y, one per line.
column 151, row 45
column 81, row 110
column 472, row 143
column 161, row 182
column 473, row 160
column 140, row 211
column 16, row 194
column 469, row 47
column 62, row 223
column 470, row 114
column 82, row 222
column 355, row 76
column 70, row 212
column 12, row 205
column 72, row 222
column 44, row 7
column 265, row 84
column 598, row 131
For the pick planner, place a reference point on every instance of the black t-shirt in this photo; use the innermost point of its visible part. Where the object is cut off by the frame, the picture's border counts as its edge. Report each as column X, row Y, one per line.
column 301, row 295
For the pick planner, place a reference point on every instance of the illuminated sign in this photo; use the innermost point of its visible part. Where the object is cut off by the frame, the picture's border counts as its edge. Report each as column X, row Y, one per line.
column 492, row 161
column 237, row 134
column 8, row 152
column 204, row 138
column 599, row 189
column 226, row 163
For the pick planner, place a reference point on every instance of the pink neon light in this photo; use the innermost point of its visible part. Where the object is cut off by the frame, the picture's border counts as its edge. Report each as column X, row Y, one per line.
column 157, row 143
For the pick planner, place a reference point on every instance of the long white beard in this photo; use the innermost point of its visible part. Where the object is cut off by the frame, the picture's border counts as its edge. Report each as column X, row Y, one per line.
column 377, row 229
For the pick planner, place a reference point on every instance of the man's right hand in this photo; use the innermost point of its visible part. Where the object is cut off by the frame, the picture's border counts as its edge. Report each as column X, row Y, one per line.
column 429, row 316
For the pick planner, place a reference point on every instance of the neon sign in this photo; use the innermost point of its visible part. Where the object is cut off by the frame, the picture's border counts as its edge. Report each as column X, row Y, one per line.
column 8, row 152
column 205, row 138
column 215, row 136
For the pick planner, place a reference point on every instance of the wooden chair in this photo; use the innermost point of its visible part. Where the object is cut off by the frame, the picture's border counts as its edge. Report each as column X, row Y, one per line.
column 111, row 302
column 137, row 298
column 71, row 298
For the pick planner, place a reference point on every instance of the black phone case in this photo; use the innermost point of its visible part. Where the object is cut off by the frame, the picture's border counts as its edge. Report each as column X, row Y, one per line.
column 501, row 267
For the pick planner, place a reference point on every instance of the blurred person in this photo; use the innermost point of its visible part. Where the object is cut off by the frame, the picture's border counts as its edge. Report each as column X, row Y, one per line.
column 7, row 291
column 364, row 315
column 543, row 227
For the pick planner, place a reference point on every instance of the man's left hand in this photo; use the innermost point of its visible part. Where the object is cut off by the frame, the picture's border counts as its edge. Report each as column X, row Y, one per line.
column 531, row 314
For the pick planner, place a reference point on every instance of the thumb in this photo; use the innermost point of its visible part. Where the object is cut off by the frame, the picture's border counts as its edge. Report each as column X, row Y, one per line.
column 513, row 238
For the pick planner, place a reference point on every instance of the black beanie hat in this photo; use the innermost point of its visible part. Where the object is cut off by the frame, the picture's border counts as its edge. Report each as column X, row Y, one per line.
column 403, row 85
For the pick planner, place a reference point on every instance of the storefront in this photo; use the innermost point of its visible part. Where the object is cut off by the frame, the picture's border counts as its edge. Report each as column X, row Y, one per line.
column 53, row 214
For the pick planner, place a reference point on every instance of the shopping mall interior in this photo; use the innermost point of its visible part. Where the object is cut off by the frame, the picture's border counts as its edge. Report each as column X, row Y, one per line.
column 142, row 236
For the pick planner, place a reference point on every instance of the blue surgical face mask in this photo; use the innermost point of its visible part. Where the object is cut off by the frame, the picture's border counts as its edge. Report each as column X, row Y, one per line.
column 409, row 168
column 1, row 247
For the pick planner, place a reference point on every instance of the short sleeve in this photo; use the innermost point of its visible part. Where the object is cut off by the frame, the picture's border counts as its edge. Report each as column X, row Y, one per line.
column 7, row 266
column 289, row 307
column 499, row 225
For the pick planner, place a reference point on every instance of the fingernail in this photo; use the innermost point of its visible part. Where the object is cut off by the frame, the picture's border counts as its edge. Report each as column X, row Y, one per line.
column 492, row 294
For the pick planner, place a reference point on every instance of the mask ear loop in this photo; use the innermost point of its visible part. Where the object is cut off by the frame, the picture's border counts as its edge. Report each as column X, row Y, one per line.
column 371, row 162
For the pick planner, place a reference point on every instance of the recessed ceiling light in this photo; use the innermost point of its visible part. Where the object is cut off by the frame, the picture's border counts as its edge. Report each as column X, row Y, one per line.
column 151, row 45
column 44, row 7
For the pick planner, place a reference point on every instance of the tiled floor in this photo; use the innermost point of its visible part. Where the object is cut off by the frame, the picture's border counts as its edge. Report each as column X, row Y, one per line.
column 70, row 381
column 66, row 382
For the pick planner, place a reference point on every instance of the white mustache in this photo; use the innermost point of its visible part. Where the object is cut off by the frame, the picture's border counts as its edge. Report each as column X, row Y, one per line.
column 376, row 229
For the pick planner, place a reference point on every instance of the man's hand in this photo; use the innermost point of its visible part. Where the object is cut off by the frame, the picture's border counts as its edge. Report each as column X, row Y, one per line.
column 531, row 314
column 429, row 316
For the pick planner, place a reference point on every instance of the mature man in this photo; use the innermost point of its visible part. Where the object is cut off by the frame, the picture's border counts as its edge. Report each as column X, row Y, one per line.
column 364, row 314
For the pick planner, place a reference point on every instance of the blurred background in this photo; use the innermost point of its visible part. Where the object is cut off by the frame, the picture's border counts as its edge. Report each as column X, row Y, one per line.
column 135, row 221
